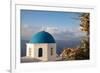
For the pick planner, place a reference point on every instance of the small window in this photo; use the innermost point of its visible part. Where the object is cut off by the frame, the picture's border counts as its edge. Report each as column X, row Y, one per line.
column 30, row 51
column 51, row 51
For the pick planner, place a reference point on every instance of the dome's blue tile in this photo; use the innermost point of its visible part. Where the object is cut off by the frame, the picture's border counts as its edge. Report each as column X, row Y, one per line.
column 42, row 37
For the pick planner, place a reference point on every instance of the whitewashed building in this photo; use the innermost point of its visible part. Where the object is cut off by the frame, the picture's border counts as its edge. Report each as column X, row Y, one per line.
column 42, row 46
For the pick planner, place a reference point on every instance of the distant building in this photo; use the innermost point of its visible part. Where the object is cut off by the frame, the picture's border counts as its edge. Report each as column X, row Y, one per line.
column 42, row 46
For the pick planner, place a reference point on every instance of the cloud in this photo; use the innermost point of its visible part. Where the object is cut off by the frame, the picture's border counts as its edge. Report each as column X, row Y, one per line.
column 52, row 30
column 64, row 34
column 58, row 33
column 27, row 31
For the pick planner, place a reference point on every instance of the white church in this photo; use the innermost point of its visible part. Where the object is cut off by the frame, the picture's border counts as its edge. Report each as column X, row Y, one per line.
column 42, row 46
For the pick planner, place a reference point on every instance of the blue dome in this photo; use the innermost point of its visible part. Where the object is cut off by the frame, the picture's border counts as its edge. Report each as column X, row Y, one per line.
column 42, row 37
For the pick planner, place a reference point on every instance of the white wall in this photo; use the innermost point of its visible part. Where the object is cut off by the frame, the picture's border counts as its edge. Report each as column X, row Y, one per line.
column 53, row 57
column 5, row 37
column 30, row 46
column 46, row 51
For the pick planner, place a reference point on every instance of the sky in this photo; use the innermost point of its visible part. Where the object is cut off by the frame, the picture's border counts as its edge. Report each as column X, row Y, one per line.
column 62, row 25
